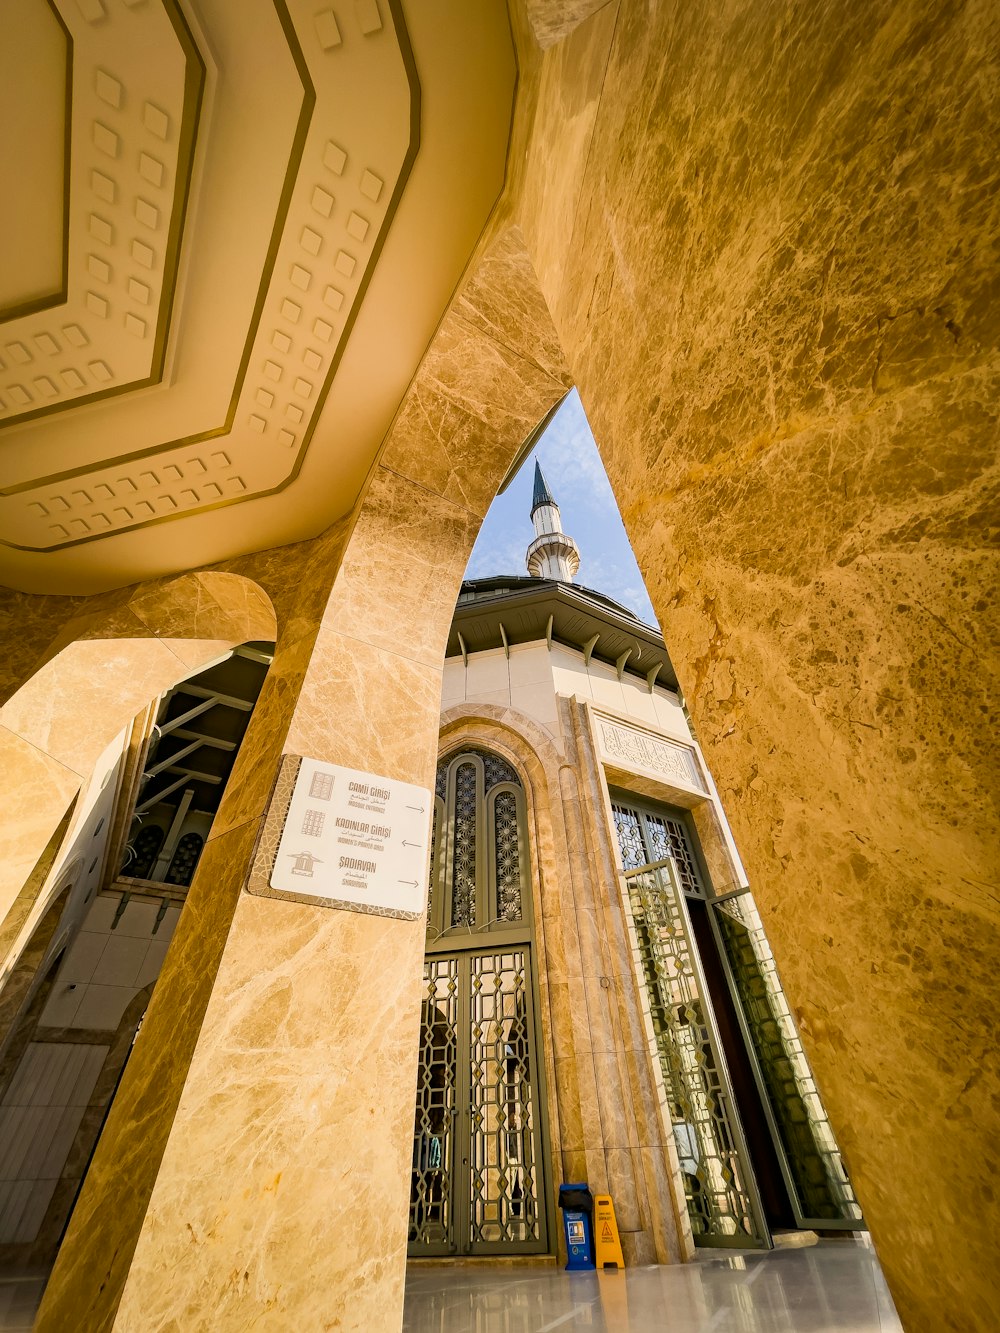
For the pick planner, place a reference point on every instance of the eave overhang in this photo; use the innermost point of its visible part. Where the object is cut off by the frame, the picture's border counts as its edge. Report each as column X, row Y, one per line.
column 526, row 610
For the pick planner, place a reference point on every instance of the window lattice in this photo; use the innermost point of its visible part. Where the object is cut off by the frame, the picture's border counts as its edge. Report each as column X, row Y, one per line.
column 507, row 852
column 140, row 857
column 630, row 842
column 497, row 770
column 669, row 838
column 463, row 869
column 185, row 859
column 645, row 838
column 475, row 851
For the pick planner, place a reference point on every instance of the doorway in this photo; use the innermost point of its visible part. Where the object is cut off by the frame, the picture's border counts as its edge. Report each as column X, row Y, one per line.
column 477, row 1174
column 755, row 1145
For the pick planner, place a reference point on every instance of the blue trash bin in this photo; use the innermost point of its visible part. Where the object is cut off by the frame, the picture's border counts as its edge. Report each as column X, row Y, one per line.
column 577, row 1204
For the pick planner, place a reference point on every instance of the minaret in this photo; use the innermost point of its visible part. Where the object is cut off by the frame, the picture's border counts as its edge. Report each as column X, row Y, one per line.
column 552, row 555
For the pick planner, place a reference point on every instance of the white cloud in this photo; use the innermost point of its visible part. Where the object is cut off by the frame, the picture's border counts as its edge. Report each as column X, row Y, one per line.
column 499, row 552
column 567, row 452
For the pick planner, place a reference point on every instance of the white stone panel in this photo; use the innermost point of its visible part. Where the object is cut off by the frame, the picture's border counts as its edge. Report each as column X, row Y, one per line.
column 39, row 1117
column 82, row 957
column 120, row 962
column 529, row 665
column 22, row 1208
column 102, row 912
column 167, row 926
column 499, row 697
column 606, row 687
column 62, row 1004
column 453, row 682
column 538, row 700
column 487, row 673
column 569, row 675
column 152, row 964
column 138, row 919
column 639, row 702
column 670, row 717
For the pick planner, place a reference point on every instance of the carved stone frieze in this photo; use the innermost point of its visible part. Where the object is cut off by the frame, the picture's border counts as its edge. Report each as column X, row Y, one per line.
column 634, row 748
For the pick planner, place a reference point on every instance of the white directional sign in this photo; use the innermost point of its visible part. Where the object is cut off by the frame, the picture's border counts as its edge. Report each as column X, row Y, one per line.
column 355, row 840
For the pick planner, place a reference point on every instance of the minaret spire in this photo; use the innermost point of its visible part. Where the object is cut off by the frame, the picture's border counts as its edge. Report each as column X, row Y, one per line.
column 552, row 555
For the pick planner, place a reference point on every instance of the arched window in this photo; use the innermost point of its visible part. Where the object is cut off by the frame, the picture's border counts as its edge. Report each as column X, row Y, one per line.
column 479, row 858
column 147, row 843
column 185, row 859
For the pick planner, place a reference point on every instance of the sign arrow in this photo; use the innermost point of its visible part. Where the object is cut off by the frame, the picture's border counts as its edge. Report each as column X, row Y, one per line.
column 410, row 844
column 419, row 809
column 412, row 882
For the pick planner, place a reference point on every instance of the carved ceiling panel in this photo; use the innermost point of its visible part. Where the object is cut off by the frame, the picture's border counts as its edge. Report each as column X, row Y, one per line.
column 133, row 90
column 233, row 174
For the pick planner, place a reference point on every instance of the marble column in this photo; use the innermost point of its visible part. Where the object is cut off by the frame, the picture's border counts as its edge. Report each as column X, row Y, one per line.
column 299, row 1098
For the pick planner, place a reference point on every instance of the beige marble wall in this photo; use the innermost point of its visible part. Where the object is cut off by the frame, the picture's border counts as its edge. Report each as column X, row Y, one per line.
column 768, row 238
column 24, row 920
column 604, row 1114
column 552, row 20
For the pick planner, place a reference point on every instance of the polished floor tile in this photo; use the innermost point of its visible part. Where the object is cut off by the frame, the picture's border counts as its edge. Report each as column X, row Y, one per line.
column 832, row 1287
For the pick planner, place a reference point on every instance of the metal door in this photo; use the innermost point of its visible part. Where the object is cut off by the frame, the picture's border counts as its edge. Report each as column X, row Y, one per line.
column 476, row 1176
column 662, row 870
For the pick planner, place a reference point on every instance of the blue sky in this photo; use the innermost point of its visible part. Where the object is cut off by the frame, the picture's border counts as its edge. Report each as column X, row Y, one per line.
column 577, row 480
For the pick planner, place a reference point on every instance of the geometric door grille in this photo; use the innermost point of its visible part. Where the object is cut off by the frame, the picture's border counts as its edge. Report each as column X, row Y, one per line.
column 476, row 1168
column 502, row 1162
column 719, row 1185
column 477, row 1171
column 434, row 1127
column 717, row 1182
column 645, row 837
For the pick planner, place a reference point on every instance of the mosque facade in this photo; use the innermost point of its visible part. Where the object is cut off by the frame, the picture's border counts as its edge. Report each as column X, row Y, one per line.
column 601, row 1003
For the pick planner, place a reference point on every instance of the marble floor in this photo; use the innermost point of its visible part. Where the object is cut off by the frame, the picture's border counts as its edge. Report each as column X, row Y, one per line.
column 832, row 1287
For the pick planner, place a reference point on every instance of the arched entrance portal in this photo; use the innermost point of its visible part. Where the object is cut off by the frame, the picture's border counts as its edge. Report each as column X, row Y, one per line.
column 477, row 1179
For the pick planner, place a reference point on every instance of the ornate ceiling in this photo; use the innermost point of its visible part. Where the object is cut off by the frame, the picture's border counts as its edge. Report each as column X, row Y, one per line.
column 229, row 231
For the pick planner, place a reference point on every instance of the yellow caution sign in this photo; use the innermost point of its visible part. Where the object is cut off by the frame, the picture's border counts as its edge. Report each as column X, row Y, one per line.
column 608, row 1248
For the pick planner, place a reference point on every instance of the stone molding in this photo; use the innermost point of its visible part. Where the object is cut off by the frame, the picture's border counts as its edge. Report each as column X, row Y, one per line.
column 626, row 745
